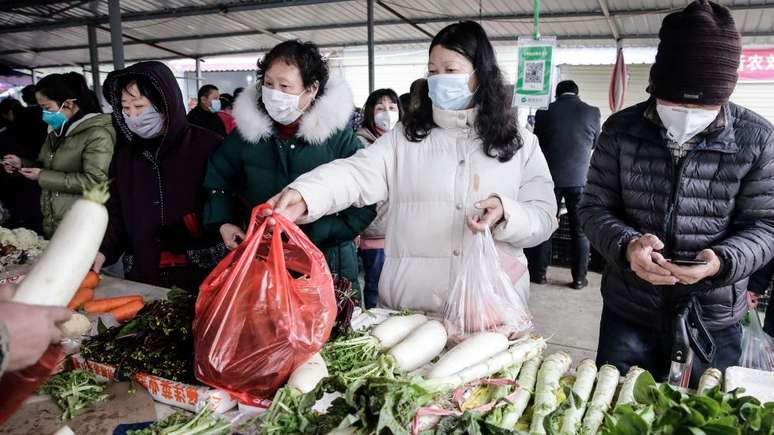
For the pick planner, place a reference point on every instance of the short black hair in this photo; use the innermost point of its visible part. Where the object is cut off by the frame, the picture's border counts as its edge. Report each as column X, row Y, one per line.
column 374, row 99
column 226, row 101
column 28, row 95
column 305, row 56
column 238, row 91
column 205, row 91
column 566, row 86
column 405, row 100
column 146, row 88
column 69, row 86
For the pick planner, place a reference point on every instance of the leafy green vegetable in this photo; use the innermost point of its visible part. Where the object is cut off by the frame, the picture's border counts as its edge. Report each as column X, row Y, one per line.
column 203, row 423
column 468, row 423
column 158, row 341
column 74, row 391
column 351, row 351
column 661, row 409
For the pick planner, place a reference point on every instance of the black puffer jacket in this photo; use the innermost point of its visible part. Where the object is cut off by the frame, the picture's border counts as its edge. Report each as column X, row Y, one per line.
column 721, row 196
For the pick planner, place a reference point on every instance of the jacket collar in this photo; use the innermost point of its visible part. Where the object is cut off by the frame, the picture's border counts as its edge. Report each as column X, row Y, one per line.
column 328, row 114
column 454, row 118
column 721, row 140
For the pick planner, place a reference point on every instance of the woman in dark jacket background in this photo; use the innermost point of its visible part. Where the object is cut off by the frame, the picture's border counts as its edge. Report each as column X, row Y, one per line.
column 157, row 173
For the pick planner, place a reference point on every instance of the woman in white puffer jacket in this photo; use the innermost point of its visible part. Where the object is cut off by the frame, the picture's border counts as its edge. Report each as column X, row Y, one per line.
column 458, row 163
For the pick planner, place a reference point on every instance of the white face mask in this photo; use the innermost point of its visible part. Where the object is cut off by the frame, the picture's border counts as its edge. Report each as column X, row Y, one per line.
column 386, row 120
column 683, row 123
column 282, row 107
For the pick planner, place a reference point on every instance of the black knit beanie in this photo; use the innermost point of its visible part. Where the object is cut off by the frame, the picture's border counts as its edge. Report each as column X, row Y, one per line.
column 698, row 55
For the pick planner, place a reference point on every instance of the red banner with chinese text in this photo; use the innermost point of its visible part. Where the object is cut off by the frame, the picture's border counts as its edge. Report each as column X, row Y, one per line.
column 757, row 65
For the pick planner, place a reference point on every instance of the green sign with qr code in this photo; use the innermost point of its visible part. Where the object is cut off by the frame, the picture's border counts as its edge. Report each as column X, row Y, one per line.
column 533, row 78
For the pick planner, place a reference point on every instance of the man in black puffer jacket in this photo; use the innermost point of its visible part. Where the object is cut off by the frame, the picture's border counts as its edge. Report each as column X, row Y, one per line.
column 686, row 175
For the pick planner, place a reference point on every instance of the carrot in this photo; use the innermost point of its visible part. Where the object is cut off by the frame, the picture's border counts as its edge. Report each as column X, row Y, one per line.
column 107, row 304
column 127, row 311
column 91, row 280
column 82, row 296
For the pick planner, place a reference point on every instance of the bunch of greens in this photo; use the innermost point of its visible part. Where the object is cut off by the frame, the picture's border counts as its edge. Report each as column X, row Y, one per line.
column 203, row 423
column 349, row 352
column 158, row 341
column 472, row 423
column 660, row 409
column 74, row 391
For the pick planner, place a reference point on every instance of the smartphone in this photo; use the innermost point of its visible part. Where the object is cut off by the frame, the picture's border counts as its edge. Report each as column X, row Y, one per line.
column 688, row 262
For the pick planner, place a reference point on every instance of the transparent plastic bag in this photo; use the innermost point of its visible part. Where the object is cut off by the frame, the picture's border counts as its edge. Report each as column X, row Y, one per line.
column 757, row 346
column 264, row 310
column 483, row 297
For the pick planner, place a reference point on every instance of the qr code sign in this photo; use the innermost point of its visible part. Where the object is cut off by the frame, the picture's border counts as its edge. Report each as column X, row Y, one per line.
column 532, row 78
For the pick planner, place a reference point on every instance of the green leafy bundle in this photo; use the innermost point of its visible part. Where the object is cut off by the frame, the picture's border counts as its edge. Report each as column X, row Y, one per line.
column 74, row 391
column 661, row 409
column 203, row 423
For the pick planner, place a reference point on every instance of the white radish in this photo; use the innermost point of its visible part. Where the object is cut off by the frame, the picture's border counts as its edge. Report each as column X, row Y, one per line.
column 306, row 376
column 626, row 396
column 585, row 374
column 473, row 350
column 59, row 271
column 607, row 381
column 393, row 330
column 709, row 380
column 420, row 347
column 527, row 379
column 65, row 430
column 523, row 350
column 547, row 385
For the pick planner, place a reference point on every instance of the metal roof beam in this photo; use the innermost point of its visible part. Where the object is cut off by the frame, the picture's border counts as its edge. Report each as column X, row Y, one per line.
column 402, row 18
column 610, row 21
column 18, row 4
column 186, row 11
column 249, row 5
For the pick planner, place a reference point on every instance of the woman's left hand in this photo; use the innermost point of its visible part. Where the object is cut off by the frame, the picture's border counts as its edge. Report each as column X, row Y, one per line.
column 492, row 215
column 31, row 173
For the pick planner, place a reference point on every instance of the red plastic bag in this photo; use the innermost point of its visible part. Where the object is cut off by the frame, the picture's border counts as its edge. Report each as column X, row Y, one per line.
column 264, row 310
column 16, row 387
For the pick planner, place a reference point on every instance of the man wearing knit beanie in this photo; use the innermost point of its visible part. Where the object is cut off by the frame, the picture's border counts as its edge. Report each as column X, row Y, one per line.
column 680, row 201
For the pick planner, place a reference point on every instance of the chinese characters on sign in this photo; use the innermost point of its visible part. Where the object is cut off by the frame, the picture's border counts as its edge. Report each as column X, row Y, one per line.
column 757, row 65
column 533, row 79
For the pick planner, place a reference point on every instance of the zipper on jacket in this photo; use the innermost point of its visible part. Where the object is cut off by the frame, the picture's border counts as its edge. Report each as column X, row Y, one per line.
column 677, row 178
column 153, row 159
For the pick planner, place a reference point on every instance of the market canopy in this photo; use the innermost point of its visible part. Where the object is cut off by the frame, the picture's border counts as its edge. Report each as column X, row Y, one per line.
column 55, row 32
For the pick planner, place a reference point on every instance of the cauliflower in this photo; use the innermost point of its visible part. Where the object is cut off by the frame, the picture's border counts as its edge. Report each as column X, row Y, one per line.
column 23, row 240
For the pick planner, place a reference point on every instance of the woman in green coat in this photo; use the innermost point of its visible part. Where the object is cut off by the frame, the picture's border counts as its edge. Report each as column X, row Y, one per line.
column 77, row 151
column 292, row 121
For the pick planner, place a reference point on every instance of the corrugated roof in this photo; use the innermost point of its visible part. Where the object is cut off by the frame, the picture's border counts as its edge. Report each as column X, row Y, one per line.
column 53, row 32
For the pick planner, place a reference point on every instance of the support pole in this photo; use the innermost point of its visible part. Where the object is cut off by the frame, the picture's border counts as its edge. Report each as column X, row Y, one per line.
column 371, row 69
column 94, row 60
column 536, row 23
column 34, row 78
column 198, row 75
column 116, row 34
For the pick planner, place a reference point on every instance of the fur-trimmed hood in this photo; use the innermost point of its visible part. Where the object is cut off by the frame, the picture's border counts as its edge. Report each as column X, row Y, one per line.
column 329, row 113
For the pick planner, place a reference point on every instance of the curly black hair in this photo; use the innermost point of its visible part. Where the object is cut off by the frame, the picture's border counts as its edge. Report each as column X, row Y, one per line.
column 496, row 123
column 374, row 99
column 304, row 55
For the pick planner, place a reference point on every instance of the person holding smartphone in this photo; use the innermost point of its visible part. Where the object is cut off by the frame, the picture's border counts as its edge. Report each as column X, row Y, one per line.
column 680, row 199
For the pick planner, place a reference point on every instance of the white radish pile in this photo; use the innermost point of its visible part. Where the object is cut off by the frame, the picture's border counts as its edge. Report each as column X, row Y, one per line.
column 475, row 349
column 59, row 271
column 527, row 379
column 522, row 350
column 420, row 346
column 585, row 375
column 607, row 381
column 306, row 376
column 548, row 379
column 626, row 396
column 395, row 329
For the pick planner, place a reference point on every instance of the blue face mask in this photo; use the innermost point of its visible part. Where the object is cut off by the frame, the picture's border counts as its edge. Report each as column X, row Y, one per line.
column 450, row 91
column 55, row 119
column 215, row 106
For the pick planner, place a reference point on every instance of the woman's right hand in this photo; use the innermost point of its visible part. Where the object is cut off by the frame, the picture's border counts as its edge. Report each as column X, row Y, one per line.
column 232, row 235
column 11, row 163
column 288, row 203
